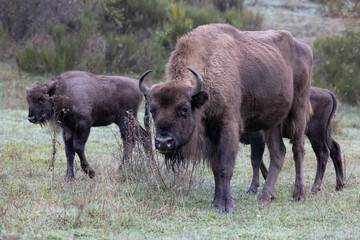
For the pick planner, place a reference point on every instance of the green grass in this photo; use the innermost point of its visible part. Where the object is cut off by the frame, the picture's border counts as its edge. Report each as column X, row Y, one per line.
column 135, row 204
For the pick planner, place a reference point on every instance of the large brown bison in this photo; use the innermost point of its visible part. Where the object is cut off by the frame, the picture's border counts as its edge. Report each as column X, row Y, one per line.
column 77, row 101
column 244, row 81
column 318, row 131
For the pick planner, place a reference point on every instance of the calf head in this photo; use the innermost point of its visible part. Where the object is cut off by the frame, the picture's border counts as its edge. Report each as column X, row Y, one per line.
column 39, row 99
column 174, row 107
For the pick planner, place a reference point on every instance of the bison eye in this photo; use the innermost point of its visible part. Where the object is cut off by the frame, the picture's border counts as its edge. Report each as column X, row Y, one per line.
column 41, row 100
column 184, row 111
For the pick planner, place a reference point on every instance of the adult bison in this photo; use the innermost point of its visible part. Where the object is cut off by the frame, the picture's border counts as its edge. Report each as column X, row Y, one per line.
column 318, row 131
column 79, row 100
column 245, row 81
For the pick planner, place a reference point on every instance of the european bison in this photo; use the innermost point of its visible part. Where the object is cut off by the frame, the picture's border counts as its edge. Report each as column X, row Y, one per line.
column 79, row 100
column 246, row 81
column 318, row 131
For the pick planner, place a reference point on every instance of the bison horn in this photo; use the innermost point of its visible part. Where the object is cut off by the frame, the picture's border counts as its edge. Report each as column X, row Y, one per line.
column 145, row 89
column 199, row 82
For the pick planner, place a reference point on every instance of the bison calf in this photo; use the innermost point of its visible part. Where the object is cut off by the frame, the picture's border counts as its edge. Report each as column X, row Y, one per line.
column 77, row 101
column 318, row 131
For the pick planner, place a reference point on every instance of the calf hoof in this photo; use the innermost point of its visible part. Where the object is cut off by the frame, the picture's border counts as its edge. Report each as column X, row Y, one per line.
column 340, row 186
column 68, row 178
column 89, row 171
column 222, row 210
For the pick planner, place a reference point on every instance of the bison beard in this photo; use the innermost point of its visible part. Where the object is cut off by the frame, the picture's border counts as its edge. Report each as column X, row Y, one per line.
column 244, row 82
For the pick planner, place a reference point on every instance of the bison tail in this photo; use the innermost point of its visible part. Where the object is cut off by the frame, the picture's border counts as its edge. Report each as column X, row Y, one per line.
column 328, row 125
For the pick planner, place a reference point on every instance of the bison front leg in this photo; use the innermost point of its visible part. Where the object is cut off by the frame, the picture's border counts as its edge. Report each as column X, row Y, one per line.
column 68, row 138
column 82, row 132
column 277, row 152
column 224, row 167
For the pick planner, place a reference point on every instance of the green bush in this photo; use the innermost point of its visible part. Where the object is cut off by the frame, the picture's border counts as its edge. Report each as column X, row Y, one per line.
column 63, row 55
column 177, row 24
column 244, row 19
column 135, row 54
column 125, row 36
column 337, row 65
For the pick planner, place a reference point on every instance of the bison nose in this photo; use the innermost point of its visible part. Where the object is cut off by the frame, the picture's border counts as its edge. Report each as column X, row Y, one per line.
column 164, row 143
column 32, row 118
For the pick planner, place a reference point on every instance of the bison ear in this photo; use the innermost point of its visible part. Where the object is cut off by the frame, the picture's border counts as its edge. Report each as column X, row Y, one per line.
column 52, row 89
column 199, row 99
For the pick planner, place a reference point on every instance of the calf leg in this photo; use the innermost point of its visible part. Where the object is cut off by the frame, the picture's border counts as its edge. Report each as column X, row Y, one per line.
column 335, row 154
column 126, row 126
column 68, row 138
column 81, row 135
column 257, row 150
column 277, row 152
column 322, row 155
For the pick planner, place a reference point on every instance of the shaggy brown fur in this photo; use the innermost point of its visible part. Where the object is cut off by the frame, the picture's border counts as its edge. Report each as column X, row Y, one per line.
column 318, row 131
column 251, row 81
column 77, row 101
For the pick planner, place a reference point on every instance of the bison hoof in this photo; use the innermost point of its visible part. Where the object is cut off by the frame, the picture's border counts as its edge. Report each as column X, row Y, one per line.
column 222, row 210
column 315, row 190
column 265, row 198
column 250, row 191
column 301, row 199
column 230, row 210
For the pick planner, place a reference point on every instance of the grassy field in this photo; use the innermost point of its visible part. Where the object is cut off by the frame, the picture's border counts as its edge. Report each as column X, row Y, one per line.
column 137, row 203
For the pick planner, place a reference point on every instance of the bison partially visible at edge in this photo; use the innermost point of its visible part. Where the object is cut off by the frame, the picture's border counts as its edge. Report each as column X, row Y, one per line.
column 318, row 131
column 77, row 101
column 244, row 81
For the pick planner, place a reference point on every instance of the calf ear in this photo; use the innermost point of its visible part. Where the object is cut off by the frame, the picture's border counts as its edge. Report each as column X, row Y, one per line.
column 52, row 89
column 199, row 99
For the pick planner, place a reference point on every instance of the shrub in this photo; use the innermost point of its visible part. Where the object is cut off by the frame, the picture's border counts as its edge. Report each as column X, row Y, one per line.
column 244, row 19
column 131, row 15
column 337, row 65
column 63, row 55
column 177, row 25
column 134, row 53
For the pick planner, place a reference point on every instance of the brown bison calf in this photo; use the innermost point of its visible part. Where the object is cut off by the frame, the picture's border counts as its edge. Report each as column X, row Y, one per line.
column 318, row 131
column 77, row 101
column 244, row 82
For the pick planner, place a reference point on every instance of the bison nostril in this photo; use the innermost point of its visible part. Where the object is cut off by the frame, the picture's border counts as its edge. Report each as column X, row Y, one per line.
column 164, row 143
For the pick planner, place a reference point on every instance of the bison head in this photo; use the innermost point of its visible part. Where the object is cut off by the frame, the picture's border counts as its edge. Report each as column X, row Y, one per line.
column 39, row 99
column 173, row 106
